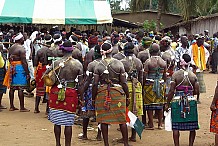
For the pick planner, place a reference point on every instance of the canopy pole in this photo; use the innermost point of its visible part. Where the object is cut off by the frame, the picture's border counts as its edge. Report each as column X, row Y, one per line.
column 23, row 29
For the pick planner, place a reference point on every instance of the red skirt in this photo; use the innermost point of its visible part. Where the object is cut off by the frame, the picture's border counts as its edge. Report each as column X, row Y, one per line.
column 70, row 102
column 40, row 86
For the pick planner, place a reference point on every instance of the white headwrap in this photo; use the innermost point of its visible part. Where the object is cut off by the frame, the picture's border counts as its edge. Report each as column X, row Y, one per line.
column 18, row 37
column 57, row 40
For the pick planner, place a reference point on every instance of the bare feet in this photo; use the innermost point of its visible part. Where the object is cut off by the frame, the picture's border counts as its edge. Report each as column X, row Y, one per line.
column 13, row 109
column 98, row 138
column 82, row 137
column 132, row 139
column 24, row 110
column 2, row 107
column 36, row 111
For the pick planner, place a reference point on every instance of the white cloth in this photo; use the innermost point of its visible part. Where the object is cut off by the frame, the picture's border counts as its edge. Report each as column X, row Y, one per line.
column 33, row 35
column 27, row 48
column 168, row 120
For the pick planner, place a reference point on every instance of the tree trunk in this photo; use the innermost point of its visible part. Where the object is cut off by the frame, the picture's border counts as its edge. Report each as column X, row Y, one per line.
column 159, row 12
column 150, row 5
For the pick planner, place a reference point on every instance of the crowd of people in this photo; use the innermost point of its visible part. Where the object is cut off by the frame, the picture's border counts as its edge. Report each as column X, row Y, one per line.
column 101, row 76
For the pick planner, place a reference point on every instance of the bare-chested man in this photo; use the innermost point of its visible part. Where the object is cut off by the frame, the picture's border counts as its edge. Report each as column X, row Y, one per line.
column 88, row 110
column 41, row 61
column 53, row 52
column 93, row 40
column 154, row 77
column 143, row 55
column 184, row 86
column 63, row 105
column 17, row 76
column 134, row 70
column 120, row 55
column 109, row 95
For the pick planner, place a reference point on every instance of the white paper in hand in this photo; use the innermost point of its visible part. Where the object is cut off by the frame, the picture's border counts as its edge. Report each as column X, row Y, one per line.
column 168, row 121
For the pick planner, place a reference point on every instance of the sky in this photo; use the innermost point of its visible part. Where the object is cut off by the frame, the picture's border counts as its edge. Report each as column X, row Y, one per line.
column 124, row 4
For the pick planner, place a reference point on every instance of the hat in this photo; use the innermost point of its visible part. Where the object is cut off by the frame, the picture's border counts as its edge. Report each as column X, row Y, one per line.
column 67, row 46
column 206, row 30
column 1, row 33
column 18, row 37
column 199, row 37
column 48, row 38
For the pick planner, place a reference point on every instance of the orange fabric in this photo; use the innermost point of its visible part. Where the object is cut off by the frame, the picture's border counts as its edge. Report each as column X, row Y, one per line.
column 202, row 66
column 35, row 71
column 48, row 89
column 7, row 79
column 213, row 120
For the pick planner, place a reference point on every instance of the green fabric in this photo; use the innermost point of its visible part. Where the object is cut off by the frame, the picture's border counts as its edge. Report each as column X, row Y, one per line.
column 15, row 11
column 75, row 15
column 139, row 127
column 61, row 94
column 192, row 116
column 156, row 76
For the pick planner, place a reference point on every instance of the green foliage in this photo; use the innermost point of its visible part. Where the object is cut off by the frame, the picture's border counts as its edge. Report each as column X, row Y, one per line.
column 151, row 25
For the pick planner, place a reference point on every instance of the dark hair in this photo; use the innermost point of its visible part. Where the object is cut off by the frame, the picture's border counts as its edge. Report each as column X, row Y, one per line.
column 47, row 37
column 186, row 58
column 128, row 49
column 97, row 52
column 67, row 44
column 57, row 36
column 106, row 46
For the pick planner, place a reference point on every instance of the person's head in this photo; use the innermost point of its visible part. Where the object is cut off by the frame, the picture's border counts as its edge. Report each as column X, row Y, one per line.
column 185, row 60
column 106, row 49
column 200, row 41
column 57, row 39
column 121, row 44
column 67, row 47
column 146, row 42
column 206, row 32
column 48, row 39
column 92, row 41
column 25, row 36
column 115, row 38
column 184, row 41
column 215, row 35
column 129, row 49
column 1, row 36
column 97, row 52
column 139, row 35
column 84, row 36
column 100, row 41
column 19, row 39
column 73, row 39
column 154, row 49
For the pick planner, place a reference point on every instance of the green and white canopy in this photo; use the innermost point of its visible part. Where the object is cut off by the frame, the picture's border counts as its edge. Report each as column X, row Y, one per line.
column 55, row 11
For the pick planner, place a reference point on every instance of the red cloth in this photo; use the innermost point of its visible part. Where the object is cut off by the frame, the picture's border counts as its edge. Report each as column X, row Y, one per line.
column 70, row 102
column 40, row 87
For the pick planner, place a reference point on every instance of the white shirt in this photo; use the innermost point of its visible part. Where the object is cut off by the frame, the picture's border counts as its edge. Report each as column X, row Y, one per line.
column 27, row 48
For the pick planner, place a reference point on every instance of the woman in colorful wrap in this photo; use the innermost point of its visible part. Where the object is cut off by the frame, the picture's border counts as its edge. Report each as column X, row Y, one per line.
column 3, row 88
column 134, row 70
column 63, row 97
column 41, row 61
column 184, row 86
column 214, row 115
column 88, row 110
column 17, row 75
column 153, row 87
column 112, row 95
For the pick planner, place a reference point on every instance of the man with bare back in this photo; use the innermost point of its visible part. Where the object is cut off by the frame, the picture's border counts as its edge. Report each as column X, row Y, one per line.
column 17, row 76
column 112, row 95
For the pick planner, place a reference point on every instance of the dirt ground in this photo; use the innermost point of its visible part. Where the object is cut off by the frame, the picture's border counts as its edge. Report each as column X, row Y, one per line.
column 29, row 129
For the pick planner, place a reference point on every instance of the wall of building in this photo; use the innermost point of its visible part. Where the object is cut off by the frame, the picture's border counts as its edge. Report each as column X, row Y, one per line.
column 166, row 19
